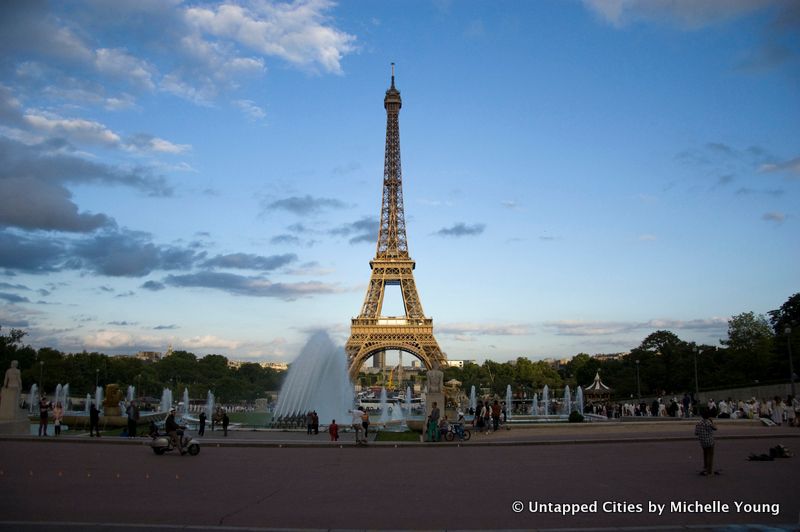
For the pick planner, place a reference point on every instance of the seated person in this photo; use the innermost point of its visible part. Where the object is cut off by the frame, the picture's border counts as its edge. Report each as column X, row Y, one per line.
column 444, row 427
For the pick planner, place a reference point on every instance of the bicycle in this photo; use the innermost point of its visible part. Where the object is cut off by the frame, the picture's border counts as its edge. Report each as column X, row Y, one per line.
column 457, row 430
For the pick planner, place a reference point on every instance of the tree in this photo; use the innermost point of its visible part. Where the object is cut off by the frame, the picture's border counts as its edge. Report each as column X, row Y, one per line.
column 750, row 341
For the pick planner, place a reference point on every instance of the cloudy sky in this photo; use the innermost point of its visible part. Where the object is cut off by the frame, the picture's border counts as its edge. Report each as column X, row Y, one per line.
column 576, row 174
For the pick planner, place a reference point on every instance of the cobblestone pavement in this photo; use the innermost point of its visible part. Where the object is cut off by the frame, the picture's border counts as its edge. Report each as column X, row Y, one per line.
column 634, row 476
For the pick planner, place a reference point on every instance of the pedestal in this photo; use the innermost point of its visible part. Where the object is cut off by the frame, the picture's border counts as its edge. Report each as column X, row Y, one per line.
column 13, row 420
column 431, row 398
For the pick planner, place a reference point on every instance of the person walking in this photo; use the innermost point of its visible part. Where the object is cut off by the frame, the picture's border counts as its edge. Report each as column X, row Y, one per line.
column 704, row 430
column 333, row 430
column 202, row 429
column 309, row 423
column 58, row 416
column 94, row 421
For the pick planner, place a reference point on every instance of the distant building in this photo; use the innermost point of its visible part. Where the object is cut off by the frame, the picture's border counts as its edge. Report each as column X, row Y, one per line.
column 148, row 356
column 459, row 363
column 611, row 356
column 277, row 366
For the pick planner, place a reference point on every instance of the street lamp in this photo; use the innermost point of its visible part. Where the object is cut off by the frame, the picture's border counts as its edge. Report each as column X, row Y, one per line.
column 696, row 385
column 788, row 332
column 638, row 387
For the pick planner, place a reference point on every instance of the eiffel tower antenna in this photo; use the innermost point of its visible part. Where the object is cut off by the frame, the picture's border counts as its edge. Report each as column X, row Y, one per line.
column 371, row 332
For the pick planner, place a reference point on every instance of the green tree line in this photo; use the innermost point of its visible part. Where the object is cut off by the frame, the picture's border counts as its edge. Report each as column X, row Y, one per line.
column 48, row 367
column 755, row 351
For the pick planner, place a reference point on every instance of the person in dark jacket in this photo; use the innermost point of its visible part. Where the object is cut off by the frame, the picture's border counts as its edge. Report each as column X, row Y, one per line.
column 94, row 421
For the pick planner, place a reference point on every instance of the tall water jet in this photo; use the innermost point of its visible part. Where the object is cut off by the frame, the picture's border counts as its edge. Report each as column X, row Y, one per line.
column 408, row 400
column 579, row 400
column 384, row 406
column 131, row 393
column 535, row 405
column 33, row 397
column 185, row 409
column 317, row 380
column 546, row 400
column 509, row 402
column 57, row 396
column 166, row 400
column 66, row 400
column 565, row 407
column 88, row 404
column 473, row 400
column 98, row 397
column 209, row 404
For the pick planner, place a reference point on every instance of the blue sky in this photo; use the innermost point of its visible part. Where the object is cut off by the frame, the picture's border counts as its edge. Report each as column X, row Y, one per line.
column 576, row 174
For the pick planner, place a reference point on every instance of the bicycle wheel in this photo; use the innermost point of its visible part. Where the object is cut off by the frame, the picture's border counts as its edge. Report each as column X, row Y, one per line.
column 467, row 434
column 448, row 436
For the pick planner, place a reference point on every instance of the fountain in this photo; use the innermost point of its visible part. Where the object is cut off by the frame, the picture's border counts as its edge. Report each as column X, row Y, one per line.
column 317, row 380
column 88, row 404
column 166, row 400
column 66, row 401
column 33, row 397
column 565, row 407
column 508, row 402
column 209, row 404
column 185, row 408
column 473, row 400
column 98, row 397
column 579, row 400
column 408, row 400
column 131, row 395
column 57, row 396
column 546, row 400
column 384, row 407
column 535, row 405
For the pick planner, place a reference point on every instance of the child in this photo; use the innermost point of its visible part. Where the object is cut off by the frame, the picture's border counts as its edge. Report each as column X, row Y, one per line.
column 333, row 430
column 704, row 430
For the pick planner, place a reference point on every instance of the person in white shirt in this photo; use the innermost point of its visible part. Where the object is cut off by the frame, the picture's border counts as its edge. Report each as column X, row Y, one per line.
column 358, row 414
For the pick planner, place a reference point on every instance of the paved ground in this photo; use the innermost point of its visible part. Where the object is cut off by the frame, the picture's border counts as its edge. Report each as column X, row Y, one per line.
column 259, row 480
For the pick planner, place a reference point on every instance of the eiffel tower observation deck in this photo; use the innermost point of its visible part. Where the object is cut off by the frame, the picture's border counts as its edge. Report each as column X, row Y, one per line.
column 371, row 332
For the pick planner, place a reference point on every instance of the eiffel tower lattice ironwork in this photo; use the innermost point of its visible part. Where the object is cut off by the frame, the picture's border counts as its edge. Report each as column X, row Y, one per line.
column 371, row 332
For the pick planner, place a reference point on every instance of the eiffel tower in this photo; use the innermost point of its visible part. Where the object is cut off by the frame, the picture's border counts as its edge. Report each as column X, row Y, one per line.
column 371, row 332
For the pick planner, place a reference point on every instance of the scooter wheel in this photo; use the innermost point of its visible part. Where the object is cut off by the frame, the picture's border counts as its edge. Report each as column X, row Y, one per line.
column 158, row 450
column 194, row 450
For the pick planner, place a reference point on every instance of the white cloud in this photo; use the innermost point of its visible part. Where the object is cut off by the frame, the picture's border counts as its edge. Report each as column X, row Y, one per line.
column 250, row 109
column 604, row 328
column 118, row 63
column 75, row 129
column 208, row 341
column 296, row 32
column 464, row 329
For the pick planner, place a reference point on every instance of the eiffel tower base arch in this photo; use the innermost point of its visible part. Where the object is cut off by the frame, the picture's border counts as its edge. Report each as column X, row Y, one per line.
column 369, row 336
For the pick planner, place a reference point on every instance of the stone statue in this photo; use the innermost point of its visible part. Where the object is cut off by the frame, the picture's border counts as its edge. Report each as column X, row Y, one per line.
column 435, row 378
column 9, row 397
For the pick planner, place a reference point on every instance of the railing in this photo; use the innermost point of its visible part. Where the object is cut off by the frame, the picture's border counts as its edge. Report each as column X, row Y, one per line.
column 393, row 322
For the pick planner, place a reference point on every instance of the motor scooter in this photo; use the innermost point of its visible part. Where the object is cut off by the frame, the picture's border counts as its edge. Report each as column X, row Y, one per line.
column 162, row 443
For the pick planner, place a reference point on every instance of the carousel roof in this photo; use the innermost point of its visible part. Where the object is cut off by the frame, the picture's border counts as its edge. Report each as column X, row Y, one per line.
column 597, row 387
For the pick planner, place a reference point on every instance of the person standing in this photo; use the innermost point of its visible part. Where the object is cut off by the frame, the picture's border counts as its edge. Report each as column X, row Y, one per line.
column 225, row 421
column 133, row 419
column 44, row 410
column 315, row 422
column 94, row 421
column 357, row 413
column 433, row 423
column 704, row 430
column 58, row 416
column 202, row 429
column 333, row 430
column 495, row 415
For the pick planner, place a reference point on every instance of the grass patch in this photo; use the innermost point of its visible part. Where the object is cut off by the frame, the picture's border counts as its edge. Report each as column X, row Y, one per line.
column 258, row 419
column 408, row 435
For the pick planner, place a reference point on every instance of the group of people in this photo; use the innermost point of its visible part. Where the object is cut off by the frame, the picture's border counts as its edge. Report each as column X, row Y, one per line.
column 488, row 415
column 312, row 422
